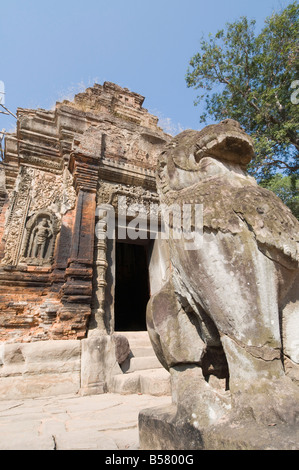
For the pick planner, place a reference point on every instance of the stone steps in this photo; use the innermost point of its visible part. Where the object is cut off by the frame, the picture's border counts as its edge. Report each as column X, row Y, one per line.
column 133, row 364
column 142, row 351
column 154, row 382
column 142, row 372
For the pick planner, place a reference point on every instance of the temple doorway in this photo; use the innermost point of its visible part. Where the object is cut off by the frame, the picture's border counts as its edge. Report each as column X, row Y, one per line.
column 131, row 286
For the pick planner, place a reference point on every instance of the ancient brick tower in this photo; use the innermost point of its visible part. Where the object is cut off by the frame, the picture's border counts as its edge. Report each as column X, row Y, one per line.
column 58, row 279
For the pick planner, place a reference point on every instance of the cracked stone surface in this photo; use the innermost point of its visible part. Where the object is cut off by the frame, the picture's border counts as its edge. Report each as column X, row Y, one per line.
column 225, row 323
column 72, row 422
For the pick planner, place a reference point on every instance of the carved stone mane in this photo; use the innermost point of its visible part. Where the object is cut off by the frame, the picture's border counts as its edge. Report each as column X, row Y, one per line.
column 208, row 167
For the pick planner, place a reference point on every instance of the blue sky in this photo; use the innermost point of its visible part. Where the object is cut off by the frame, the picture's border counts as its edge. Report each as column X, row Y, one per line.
column 51, row 50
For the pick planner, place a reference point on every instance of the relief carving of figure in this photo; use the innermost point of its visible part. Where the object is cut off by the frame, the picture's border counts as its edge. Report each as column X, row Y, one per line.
column 41, row 235
column 226, row 324
column 39, row 241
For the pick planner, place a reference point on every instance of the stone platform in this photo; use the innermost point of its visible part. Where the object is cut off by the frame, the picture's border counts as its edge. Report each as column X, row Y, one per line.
column 53, row 368
column 72, row 422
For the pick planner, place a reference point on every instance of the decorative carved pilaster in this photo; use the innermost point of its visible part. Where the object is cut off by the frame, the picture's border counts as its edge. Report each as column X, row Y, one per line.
column 76, row 293
column 85, row 170
column 63, row 246
column 16, row 220
column 100, row 267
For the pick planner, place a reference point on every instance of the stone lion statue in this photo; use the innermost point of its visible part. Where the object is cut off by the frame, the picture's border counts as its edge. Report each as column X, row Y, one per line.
column 226, row 324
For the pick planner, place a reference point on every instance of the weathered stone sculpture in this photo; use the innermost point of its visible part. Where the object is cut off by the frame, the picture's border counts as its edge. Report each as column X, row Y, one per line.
column 226, row 324
column 41, row 231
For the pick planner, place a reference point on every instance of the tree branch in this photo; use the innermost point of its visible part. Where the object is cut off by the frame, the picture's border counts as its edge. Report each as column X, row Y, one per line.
column 280, row 162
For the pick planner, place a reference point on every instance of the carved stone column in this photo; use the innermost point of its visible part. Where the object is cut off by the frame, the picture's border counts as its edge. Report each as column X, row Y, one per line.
column 98, row 324
column 76, row 293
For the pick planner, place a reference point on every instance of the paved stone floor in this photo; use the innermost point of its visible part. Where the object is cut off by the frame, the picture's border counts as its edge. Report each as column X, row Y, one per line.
column 72, row 422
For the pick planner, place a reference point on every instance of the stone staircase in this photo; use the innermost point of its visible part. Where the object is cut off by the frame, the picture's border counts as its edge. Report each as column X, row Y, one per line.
column 142, row 372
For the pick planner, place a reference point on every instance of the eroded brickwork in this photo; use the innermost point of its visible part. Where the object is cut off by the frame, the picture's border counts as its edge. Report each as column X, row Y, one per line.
column 59, row 166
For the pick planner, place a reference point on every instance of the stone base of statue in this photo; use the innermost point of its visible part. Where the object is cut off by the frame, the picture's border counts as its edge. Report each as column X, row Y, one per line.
column 161, row 429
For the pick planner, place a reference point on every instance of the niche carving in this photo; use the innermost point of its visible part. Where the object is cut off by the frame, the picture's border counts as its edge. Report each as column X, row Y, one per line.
column 39, row 239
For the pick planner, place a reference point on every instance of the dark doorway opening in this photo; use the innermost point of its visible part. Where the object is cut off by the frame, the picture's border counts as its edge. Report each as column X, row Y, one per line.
column 131, row 287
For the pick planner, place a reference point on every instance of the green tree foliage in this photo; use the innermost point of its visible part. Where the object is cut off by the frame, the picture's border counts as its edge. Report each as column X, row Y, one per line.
column 249, row 77
column 287, row 188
